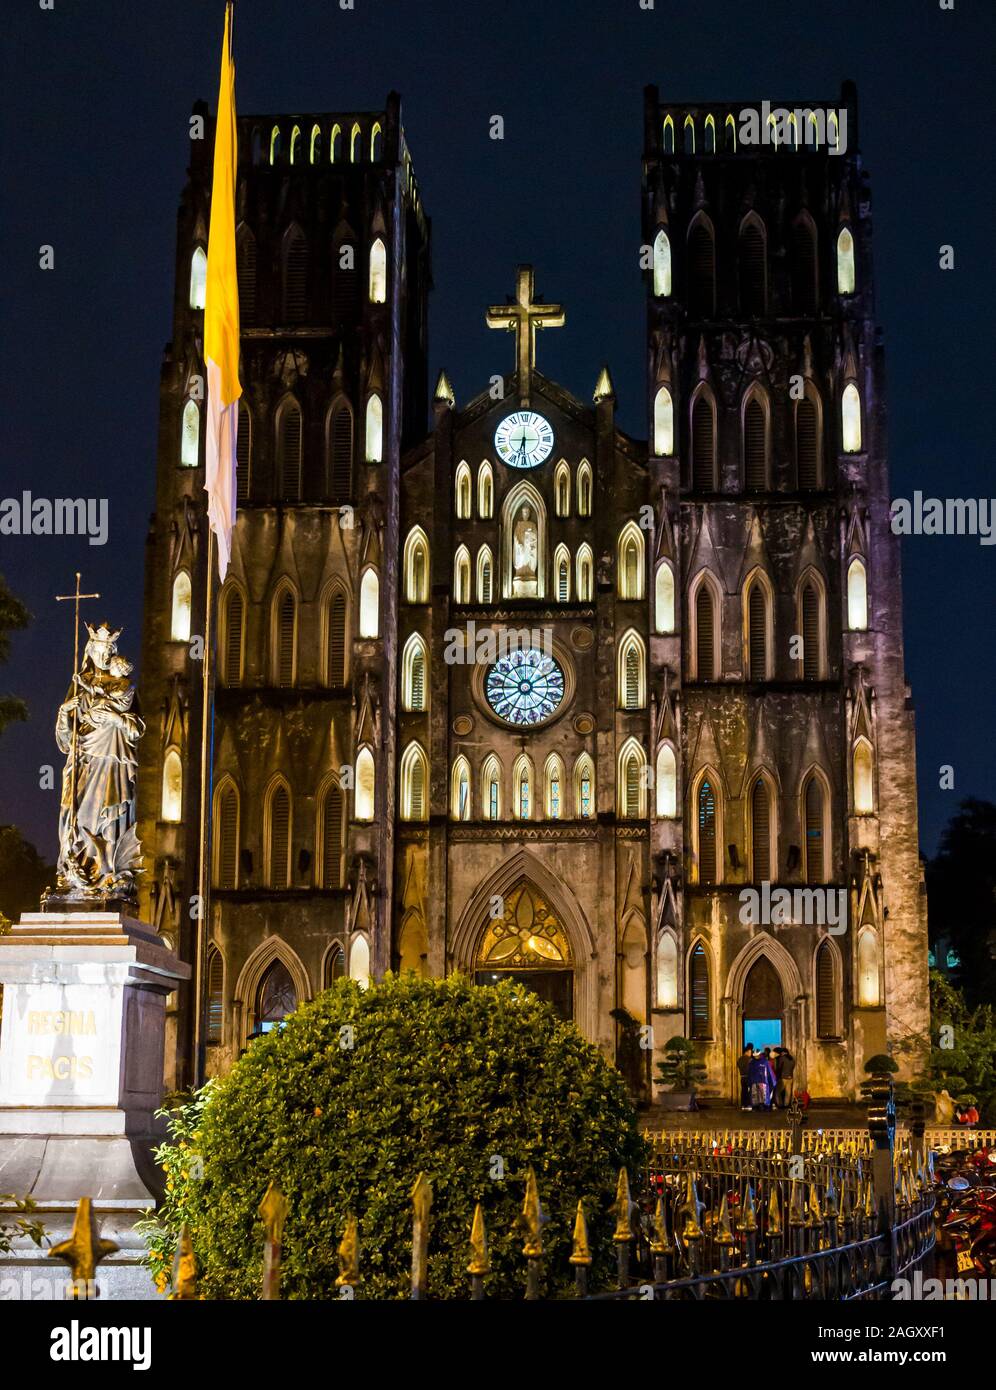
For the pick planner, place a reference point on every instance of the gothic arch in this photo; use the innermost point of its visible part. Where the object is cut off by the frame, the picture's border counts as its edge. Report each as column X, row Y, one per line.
column 251, row 977
column 524, row 493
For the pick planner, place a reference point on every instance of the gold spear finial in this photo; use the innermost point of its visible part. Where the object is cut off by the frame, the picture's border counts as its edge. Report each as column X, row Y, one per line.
column 774, row 1214
column 184, row 1268
column 533, row 1218
column 349, row 1256
column 816, row 1215
column 84, row 1249
column 581, row 1250
column 659, row 1244
column 422, row 1206
column 623, row 1209
column 748, row 1215
column 725, row 1233
column 797, row 1205
column 692, row 1230
column 869, row 1199
column 479, row 1262
column 273, row 1210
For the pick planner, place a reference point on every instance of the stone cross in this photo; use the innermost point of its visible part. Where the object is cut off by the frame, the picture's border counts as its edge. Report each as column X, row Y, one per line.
column 523, row 317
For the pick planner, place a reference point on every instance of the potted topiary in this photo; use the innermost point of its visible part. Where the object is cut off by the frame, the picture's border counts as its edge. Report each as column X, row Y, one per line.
column 680, row 1071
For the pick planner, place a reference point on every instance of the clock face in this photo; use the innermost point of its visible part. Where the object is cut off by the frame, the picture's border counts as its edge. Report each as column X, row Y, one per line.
column 524, row 439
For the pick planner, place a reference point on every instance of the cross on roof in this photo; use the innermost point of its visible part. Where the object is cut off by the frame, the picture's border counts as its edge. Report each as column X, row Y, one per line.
column 523, row 317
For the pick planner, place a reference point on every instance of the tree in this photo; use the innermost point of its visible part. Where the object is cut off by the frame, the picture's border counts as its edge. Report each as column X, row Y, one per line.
column 962, row 1057
column 361, row 1090
column 961, row 895
column 24, row 874
column 13, row 616
column 681, row 1069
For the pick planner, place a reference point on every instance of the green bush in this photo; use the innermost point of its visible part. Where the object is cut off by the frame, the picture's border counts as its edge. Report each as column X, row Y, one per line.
column 443, row 1077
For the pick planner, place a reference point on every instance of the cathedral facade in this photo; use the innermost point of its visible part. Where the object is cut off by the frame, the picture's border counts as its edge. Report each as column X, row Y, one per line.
column 519, row 694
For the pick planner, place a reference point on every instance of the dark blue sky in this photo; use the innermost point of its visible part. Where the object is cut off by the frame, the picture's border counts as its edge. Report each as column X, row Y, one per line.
column 95, row 99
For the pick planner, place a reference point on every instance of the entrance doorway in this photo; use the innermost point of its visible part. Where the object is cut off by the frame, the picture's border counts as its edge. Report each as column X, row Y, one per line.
column 528, row 944
column 555, row 987
column 763, row 1032
column 763, row 1006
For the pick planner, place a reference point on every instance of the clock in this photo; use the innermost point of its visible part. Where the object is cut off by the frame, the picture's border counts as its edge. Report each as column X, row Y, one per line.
column 523, row 440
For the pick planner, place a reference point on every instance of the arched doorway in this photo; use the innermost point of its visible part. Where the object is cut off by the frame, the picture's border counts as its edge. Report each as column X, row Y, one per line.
column 527, row 943
column 276, row 997
column 763, row 1006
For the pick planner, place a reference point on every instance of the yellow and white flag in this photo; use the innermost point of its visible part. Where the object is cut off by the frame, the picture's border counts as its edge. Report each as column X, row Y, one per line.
column 221, row 318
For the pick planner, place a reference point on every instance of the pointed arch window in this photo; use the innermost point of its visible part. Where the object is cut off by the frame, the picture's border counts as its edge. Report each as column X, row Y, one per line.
column 845, row 261
column 827, row 991
column 339, row 449
column 335, row 966
column 753, row 267
column 416, row 566
column 869, row 992
column 335, row 650
column 584, row 488
column 226, row 836
column 706, row 631
column 850, row 419
column 370, row 604
column 663, row 423
column 295, row 276
column 667, row 135
column 522, row 788
column 704, row 442
column 460, row 789
column 377, row 287
column 755, row 444
column 491, row 789
column 245, row 270
column 632, row 672
column 243, row 455
column 585, row 573
column 376, row 142
column 190, row 435
column 331, row 835
column 364, row 797
column 198, row 278
column 359, row 962
column 758, row 630
column 664, row 610
column 462, row 492
column 710, row 134
column 805, row 282
column 761, row 824
column 662, row 265
column 215, row 995
column 688, row 131
column 667, row 971
column 414, row 663
column 730, row 133
column 171, row 808
column 180, row 615
column 335, row 144
column 562, row 573
column 485, row 491
column 584, row 788
column 315, row 151
column 701, row 270
column 278, row 837
column 667, row 781
column 699, row 994
column 862, row 763
column 355, row 145
column 276, row 998
column 857, row 595
column 812, row 619
column 814, row 819
column 375, row 430
column 295, row 144
column 232, row 635
column 808, row 438
column 707, row 838
column 632, row 781
column 345, row 279
column 284, row 642
column 289, row 472
column 461, row 575
column 630, row 561
column 562, row 489
column 414, row 783
column 275, row 143
column 485, row 575
column 553, row 787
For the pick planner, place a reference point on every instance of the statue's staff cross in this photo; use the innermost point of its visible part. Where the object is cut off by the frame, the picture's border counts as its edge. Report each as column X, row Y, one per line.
column 75, row 598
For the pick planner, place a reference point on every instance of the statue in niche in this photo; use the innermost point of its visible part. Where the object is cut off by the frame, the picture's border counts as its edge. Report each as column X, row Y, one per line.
column 525, row 555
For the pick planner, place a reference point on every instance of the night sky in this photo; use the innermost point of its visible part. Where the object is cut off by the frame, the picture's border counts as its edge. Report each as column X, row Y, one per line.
column 96, row 96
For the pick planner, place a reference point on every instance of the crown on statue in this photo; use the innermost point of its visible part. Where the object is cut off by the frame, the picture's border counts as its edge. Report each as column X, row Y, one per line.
column 103, row 632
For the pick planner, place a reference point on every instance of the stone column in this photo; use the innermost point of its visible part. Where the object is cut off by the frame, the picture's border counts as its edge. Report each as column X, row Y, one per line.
column 81, row 1068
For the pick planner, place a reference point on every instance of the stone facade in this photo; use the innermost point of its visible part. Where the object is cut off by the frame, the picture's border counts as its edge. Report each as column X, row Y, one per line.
column 713, row 619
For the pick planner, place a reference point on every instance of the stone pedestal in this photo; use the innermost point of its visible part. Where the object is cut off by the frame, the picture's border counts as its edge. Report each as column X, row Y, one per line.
column 81, row 1067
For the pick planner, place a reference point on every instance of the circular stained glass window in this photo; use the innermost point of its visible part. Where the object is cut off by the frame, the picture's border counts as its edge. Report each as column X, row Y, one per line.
column 525, row 687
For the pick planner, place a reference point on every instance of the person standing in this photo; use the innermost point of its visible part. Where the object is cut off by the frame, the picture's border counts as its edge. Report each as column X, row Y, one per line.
column 785, row 1073
column 743, row 1067
column 759, row 1077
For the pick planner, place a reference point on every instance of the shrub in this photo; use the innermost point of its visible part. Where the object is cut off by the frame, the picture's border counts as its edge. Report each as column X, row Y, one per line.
column 358, row 1092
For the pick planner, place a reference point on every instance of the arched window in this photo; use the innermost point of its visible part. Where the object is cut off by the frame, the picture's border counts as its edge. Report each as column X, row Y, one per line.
column 363, row 799
column 359, row 962
column 376, row 142
column 522, row 788
column 688, row 130
column 295, row 145
column 198, row 278
column 808, row 438
column 553, row 787
column 699, row 994
column 845, row 262
column 172, row 797
column 632, row 676
column 585, row 571
column 180, row 618
column 335, row 639
column 864, row 781
column 701, row 287
column 485, row 575
column 805, row 282
column 416, row 566
column 827, row 991
column 275, row 999
column 284, row 639
column 664, row 598
column 243, row 454
column 584, row 488
column 706, row 630
column 667, row 135
column 562, row 489
column 245, row 269
column 632, row 781
column 295, row 276
column 335, row 966
column 345, row 279
column 761, row 824
column 226, row 836
column 335, row 144
column 491, row 789
column 375, row 430
column 354, row 145
column 814, row 820
column 315, row 152
column 378, row 272
column 190, row 435
column 461, row 575
column 730, row 133
column 232, row 643
column 630, row 562
column 370, row 604
column 662, row 264
column 869, row 996
column 460, row 789
column 278, row 837
column 706, row 837
column 414, row 664
column 462, row 492
column 812, row 625
column 289, row 451
column 275, row 143
column 667, row 971
column 215, row 995
column 667, row 781
column 755, row 443
column 704, row 442
column 850, row 419
column 758, row 629
column 857, row 595
column 753, row 266
column 339, row 449
column 485, row 491
column 710, row 134
column 331, row 835
column 663, row 423
column 562, row 573
column 414, row 783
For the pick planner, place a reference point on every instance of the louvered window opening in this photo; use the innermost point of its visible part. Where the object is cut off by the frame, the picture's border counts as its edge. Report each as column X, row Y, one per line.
column 699, row 992
column 804, row 270
column 246, row 278
column 760, row 811
column 233, row 639
column 337, row 641
column 280, row 839
column 814, row 832
column 632, row 691
column 285, row 641
column 703, row 470
column 826, row 994
column 227, row 832
column 752, row 271
column 243, row 455
column 216, row 1000
column 707, row 833
column 332, row 838
column 296, row 280
column 341, row 451
column 758, row 625
column 810, row 633
column 704, row 635
column 289, row 455
column 807, row 444
column 701, row 274
column 755, row 452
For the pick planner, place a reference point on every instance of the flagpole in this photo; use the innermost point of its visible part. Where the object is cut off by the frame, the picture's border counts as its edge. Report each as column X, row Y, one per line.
column 204, row 864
